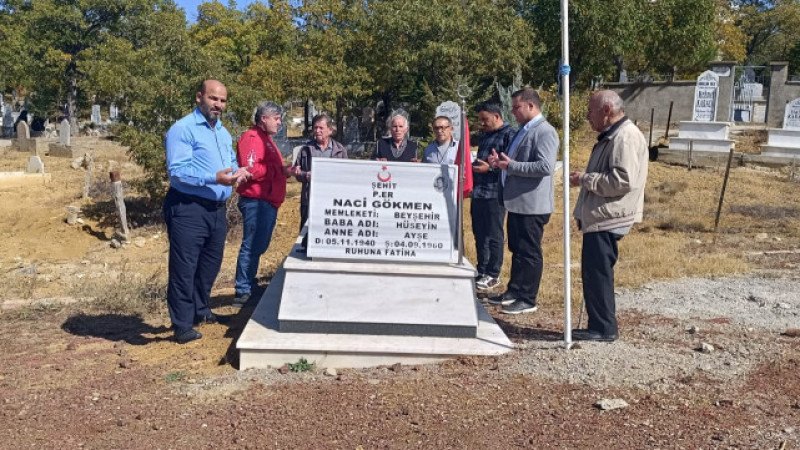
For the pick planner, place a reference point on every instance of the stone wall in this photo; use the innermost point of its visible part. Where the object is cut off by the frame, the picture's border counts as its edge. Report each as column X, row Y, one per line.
column 641, row 97
column 781, row 92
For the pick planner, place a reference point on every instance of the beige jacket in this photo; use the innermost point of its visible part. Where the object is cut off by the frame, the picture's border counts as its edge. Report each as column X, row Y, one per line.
column 612, row 189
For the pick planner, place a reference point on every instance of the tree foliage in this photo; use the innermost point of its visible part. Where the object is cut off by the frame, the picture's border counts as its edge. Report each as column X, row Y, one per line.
column 145, row 57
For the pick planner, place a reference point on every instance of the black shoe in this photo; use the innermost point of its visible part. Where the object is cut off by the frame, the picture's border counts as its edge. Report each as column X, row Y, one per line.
column 519, row 307
column 211, row 319
column 501, row 300
column 240, row 300
column 187, row 336
column 591, row 335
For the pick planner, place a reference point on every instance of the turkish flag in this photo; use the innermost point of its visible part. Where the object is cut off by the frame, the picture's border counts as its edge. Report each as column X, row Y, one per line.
column 467, row 169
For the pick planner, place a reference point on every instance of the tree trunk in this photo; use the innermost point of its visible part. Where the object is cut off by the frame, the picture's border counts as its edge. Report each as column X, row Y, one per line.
column 339, row 119
column 620, row 63
column 72, row 98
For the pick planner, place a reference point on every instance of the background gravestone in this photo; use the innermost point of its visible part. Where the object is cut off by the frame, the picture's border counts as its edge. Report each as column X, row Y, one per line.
column 791, row 116
column 8, row 122
column 453, row 111
column 113, row 112
column 705, row 97
column 96, row 114
column 367, row 124
column 352, row 130
column 64, row 132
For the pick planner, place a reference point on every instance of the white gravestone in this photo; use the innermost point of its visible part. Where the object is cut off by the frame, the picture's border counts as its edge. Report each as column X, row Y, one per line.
column 705, row 97
column 113, row 112
column 384, row 212
column 96, row 114
column 64, row 133
column 35, row 165
column 791, row 116
column 453, row 111
column 785, row 142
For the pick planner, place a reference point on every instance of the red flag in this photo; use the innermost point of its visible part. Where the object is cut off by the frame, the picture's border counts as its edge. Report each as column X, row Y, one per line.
column 465, row 148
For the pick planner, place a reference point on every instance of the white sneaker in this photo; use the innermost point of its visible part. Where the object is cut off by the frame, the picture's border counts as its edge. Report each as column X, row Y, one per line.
column 487, row 282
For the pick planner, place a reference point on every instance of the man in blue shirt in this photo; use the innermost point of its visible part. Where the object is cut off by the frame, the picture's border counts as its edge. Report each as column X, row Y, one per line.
column 202, row 169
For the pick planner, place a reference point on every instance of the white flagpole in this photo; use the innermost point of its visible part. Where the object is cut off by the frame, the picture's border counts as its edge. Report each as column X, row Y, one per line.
column 565, row 102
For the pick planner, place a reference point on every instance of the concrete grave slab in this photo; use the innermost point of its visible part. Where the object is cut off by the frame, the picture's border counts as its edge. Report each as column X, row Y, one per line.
column 263, row 345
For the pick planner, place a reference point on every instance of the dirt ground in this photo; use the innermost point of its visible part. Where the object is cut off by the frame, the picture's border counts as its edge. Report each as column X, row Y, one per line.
column 80, row 370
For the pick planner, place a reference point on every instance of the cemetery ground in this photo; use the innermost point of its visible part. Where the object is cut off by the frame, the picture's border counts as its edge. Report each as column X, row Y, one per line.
column 708, row 357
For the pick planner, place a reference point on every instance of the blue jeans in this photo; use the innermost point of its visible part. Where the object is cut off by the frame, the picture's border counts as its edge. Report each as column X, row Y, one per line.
column 258, row 221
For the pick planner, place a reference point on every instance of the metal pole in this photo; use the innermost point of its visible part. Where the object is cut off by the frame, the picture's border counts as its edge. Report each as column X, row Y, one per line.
column 689, row 161
column 565, row 142
column 650, row 137
column 724, row 186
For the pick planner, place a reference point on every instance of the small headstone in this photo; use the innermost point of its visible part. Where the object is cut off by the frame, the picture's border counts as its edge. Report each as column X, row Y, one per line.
column 96, row 114
column 791, row 115
column 64, row 133
column 35, row 165
column 23, row 130
column 113, row 112
column 705, row 97
column 352, row 130
column 8, row 122
column 453, row 111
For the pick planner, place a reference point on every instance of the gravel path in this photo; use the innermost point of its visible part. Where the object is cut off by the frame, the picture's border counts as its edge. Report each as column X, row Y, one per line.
column 740, row 317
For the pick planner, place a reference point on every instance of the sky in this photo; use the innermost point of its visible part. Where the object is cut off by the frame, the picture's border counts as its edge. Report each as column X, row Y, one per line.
column 190, row 6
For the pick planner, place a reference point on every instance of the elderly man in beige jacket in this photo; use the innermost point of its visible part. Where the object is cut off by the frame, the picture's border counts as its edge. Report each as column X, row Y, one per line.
column 611, row 200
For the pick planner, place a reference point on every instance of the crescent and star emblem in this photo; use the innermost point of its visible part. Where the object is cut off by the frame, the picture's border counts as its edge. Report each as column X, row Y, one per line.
column 384, row 175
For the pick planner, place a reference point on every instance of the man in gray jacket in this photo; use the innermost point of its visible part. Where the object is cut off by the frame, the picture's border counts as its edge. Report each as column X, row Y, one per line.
column 526, row 191
column 610, row 202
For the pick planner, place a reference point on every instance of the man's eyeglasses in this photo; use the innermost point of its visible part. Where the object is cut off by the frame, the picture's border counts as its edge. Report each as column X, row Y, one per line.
column 441, row 128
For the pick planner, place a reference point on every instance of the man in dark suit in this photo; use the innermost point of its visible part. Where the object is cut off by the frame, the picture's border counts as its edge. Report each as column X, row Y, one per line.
column 526, row 191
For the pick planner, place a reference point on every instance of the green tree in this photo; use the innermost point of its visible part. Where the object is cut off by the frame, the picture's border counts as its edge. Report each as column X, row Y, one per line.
column 419, row 51
column 607, row 36
column 772, row 28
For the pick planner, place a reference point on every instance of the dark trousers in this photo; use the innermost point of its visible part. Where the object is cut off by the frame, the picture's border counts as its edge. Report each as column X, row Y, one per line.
column 487, row 227
column 196, row 230
column 303, row 219
column 598, row 257
column 525, row 243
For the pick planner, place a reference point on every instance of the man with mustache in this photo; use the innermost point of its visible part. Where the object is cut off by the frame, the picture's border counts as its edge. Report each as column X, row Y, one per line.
column 260, row 196
column 321, row 146
column 202, row 169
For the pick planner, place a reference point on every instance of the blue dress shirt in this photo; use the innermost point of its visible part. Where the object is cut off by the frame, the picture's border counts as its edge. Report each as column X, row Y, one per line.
column 196, row 151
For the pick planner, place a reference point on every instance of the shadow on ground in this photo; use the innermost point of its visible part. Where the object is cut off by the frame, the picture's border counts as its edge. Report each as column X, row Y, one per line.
column 514, row 331
column 114, row 327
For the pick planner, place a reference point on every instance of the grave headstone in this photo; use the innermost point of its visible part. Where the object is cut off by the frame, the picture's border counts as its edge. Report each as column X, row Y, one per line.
column 352, row 130
column 64, row 132
column 96, row 114
column 453, row 111
column 705, row 97
column 379, row 215
column 35, row 165
column 113, row 112
column 23, row 131
column 8, row 122
column 367, row 122
column 791, row 115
